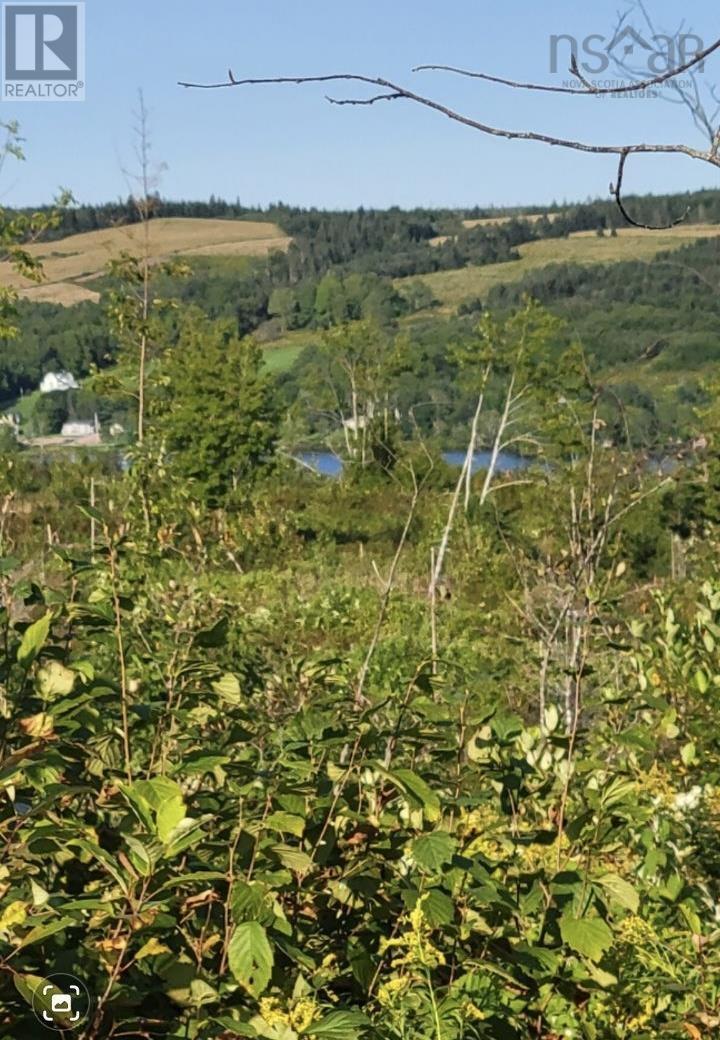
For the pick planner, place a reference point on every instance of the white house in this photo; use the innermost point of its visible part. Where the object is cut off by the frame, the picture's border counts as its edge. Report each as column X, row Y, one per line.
column 78, row 429
column 54, row 381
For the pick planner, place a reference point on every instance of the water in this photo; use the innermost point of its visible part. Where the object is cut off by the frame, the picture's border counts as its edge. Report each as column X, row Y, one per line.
column 329, row 465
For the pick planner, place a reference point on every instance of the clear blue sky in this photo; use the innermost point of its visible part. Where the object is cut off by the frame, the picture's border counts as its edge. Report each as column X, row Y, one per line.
column 268, row 143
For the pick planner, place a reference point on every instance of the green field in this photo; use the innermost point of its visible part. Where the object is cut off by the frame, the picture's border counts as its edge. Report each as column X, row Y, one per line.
column 452, row 287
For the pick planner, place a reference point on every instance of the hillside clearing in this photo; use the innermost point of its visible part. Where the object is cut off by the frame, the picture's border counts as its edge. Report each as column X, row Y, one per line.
column 81, row 258
column 584, row 247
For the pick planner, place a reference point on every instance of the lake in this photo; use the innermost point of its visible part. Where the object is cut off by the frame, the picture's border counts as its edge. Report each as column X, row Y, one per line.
column 329, row 465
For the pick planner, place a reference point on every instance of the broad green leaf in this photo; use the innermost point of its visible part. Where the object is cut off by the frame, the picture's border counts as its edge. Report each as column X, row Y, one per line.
column 139, row 803
column 433, row 850
column 33, row 640
column 103, row 857
column 140, row 857
column 249, row 902
column 292, row 858
column 438, row 908
column 13, row 914
column 339, row 1025
column 30, row 989
column 701, row 681
column 156, row 791
column 250, row 957
column 55, row 680
column 603, row 978
column 234, row 1028
column 152, row 948
column 689, row 754
column 286, row 823
column 589, row 936
column 420, row 794
column 169, row 816
column 42, row 931
column 621, row 891
column 228, row 689
column 183, row 836
column 188, row 879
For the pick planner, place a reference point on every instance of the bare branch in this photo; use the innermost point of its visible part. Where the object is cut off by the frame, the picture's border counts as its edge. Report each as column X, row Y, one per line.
column 362, row 101
column 616, row 192
column 403, row 93
column 588, row 88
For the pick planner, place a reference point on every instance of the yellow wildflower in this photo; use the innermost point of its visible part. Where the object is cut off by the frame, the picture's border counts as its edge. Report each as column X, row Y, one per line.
column 303, row 1014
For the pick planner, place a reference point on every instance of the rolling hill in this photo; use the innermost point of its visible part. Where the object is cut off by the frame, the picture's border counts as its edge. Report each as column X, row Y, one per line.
column 71, row 264
column 452, row 287
column 582, row 247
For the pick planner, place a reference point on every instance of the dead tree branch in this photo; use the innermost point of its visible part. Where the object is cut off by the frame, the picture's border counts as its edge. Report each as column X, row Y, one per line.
column 588, row 88
column 395, row 92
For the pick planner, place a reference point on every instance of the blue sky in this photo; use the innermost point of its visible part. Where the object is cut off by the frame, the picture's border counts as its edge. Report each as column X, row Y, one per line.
column 270, row 143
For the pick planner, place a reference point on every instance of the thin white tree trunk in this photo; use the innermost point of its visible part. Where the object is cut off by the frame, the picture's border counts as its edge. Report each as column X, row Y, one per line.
column 473, row 439
column 442, row 549
column 490, row 475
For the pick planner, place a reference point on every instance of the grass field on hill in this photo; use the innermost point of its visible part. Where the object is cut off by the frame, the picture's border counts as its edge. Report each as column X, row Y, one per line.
column 584, row 247
column 452, row 287
column 72, row 263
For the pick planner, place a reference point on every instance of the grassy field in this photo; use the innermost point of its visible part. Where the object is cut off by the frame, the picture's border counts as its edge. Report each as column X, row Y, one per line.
column 530, row 218
column 72, row 263
column 584, row 247
column 280, row 354
column 452, row 287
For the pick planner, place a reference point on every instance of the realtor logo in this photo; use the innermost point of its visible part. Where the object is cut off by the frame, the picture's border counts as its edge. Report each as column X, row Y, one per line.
column 43, row 52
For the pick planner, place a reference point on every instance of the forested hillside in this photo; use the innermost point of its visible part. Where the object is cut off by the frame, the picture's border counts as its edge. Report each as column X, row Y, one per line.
column 382, row 268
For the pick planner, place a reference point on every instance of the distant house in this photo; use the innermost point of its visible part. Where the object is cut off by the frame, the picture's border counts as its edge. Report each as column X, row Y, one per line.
column 53, row 382
column 78, row 429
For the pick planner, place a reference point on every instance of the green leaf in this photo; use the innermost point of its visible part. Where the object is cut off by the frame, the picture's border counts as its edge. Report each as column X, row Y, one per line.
column 156, row 791
column 55, row 680
column 589, row 936
column 139, row 856
column 228, row 689
column 103, row 857
column 42, row 931
column 292, row 858
column 187, row 879
column 418, row 793
column 438, row 908
column 286, row 823
column 689, row 754
column 248, row 902
column 33, row 640
column 621, row 891
column 215, row 636
column 250, row 957
column 339, row 1025
column 30, row 988
column 169, row 816
column 433, row 850
column 187, row 833
column 234, row 1028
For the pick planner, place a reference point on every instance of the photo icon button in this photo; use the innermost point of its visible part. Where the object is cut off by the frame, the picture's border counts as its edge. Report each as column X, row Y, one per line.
column 61, row 1002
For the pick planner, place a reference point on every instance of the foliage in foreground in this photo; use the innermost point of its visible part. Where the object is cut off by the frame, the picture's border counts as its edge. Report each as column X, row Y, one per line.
column 220, row 845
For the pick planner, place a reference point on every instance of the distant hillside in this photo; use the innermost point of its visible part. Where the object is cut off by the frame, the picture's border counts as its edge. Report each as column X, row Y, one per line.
column 70, row 264
column 583, row 247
